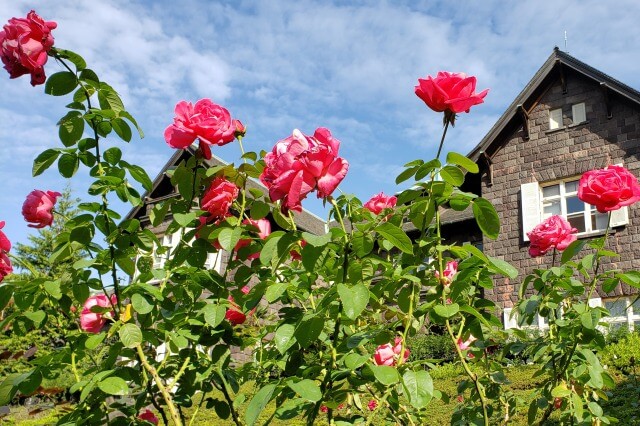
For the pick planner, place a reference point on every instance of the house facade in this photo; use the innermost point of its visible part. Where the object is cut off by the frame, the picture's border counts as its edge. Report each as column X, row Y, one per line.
column 569, row 119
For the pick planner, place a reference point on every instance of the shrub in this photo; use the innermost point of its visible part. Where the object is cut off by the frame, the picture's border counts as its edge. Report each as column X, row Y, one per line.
column 623, row 355
column 431, row 346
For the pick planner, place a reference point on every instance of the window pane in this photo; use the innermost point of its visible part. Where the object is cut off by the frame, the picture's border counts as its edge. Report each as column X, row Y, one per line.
column 636, row 305
column 577, row 221
column 551, row 208
column 617, row 307
column 551, row 191
column 571, row 186
column 574, row 205
column 598, row 221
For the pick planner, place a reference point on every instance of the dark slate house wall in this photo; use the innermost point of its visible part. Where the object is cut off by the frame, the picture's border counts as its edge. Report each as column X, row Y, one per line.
column 556, row 154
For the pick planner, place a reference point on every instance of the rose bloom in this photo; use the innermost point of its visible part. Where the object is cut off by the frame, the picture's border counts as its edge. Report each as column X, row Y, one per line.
column 5, row 265
column 372, row 405
column 148, row 416
column 234, row 315
column 24, row 45
column 552, row 232
column 449, row 92
column 5, row 244
column 92, row 322
column 262, row 227
column 209, row 122
column 609, row 189
column 464, row 345
column 388, row 355
column 38, row 208
column 218, row 198
column 241, row 129
column 301, row 164
column 448, row 273
column 379, row 202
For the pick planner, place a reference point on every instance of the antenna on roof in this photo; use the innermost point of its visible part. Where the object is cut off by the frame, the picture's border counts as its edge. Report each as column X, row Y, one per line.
column 565, row 41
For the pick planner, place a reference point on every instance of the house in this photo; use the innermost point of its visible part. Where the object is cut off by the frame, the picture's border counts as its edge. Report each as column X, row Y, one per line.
column 570, row 118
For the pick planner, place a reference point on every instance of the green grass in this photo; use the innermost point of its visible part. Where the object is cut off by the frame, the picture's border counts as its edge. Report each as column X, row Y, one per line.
column 623, row 402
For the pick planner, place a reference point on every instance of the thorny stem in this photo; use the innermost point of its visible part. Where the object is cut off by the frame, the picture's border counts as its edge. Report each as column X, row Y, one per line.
column 163, row 390
column 184, row 366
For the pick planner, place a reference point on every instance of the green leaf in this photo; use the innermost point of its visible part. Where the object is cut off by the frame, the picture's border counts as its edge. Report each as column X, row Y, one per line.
column 113, row 386
column 53, row 288
column 274, row 291
column 307, row 389
column 214, row 314
column 71, row 128
column 93, row 341
column 486, row 217
column 130, row 335
column 395, row 236
column 126, row 264
column 122, row 129
column 258, row 403
column 284, row 337
column 573, row 249
column 406, row 174
column 447, row 311
column 184, row 219
column 427, row 168
column 44, row 161
column 462, row 161
column 270, row 248
column 531, row 413
column 60, row 83
column 385, row 374
column 259, row 210
column 133, row 121
column 561, row 391
column 632, row 278
column 88, row 75
column 317, row 240
column 362, row 243
column 68, row 165
column 354, row 299
column 141, row 303
column 73, row 57
column 308, row 330
column 229, row 237
column 353, row 361
column 109, row 98
column 452, row 175
column 37, row 317
column 112, row 155
column 418, row 386
column 139, row 174
column 503, row 267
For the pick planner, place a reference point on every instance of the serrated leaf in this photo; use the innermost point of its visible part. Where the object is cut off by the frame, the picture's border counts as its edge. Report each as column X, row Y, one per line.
column 385, row 374
column 229, row 237
column 316, row 240
column 284, row 337
column 307, row 389
column 71, row 128
column 60, row 83
column 258, row 403
column 395, row 236
column 486, row 217
column 462, row 161
column 113, row 386
column 308, row 330
column 214, row 314
column 92, row 342
column 122, row 129
column 452, row 175
column 44, row 161
column 53, row 288
column 112, row 155
column 447, row 311
column 406, row 174
column 141, row 303
column 354, row 299
column 68, row 165
column 418, row 386
column 130, row 335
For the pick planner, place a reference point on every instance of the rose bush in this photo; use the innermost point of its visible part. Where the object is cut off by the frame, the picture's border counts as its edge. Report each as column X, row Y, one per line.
column 336, row 301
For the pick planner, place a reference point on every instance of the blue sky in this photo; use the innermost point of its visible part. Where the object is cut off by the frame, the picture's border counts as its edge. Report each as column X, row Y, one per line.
column 280, row 65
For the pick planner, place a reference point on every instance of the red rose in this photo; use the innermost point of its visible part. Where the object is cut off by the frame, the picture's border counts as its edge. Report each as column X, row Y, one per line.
column 38, row 208
column 379, row 202
column 92, row 322
column 241, row 130
column 300, row 164
column 5, row 265
column 389, row 355
column 24, row 45
column 609, row 189
column 148, row 416
column 449, row 92
column 552, row 232
column 372, row 405
column 233, row 314
column 263, row 229
column 218, row 198
column 5, row 244
column 206, row 121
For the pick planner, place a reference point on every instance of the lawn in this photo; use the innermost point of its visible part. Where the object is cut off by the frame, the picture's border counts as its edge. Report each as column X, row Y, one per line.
column 623, row 402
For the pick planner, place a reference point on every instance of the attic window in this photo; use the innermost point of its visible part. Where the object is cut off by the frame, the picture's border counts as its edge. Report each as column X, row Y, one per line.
column 578, row 113
column 555, row 119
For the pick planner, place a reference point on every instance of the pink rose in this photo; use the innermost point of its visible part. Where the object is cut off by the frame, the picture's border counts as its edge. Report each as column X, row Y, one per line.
column 241, row 130
column 372, row 405
column 389, row 355
column 5, row 244
column 449, row 92
column 301, row 164
column 234, row 315
column 262, row 227
column 219, row 197
column 148, row 416
column 206, row 121
column 296, row 252
column 379, row 202
column 609, row 189
column 552, row 232
column 38, row 208
column 24, row 45
column 464, row 345
column 92, row 322
column 324, row 408
column 448, row 273
column 5, row 265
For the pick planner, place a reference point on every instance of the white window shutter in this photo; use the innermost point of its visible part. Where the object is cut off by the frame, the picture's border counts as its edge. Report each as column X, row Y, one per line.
column 529, row 207
column 509, row 321
column 555, row 119
column 595, row 302
column 619, row 217
column 579, row 113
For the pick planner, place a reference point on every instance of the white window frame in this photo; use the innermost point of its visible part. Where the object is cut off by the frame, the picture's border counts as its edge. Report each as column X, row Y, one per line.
column 587, row 211
column 578, row 113
column 511, row 322
column 556, row 119
column 168, row 240
column 630, row 316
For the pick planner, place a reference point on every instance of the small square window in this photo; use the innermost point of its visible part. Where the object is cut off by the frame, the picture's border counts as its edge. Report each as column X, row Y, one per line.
column 555, row 119
column 579, row 114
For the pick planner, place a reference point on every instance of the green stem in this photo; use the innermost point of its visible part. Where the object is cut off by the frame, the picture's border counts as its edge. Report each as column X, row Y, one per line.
column 163, row 390
column 227, row 396
column 446, row 126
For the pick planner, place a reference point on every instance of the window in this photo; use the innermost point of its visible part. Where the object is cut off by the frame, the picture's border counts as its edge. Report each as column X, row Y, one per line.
column 578, row 113
column 561, row 198
column 555, row 119
column 624, row 311
column 539, row 201
column 512, row 320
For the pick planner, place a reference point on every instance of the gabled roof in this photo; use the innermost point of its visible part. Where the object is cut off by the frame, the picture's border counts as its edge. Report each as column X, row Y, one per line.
column 305, row 220
column 553, row 68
